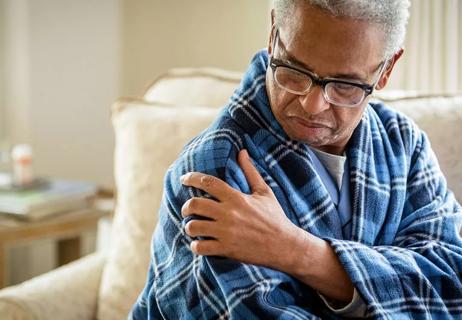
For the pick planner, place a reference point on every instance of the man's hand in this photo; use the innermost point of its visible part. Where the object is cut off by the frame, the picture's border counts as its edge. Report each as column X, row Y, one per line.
column 254, row 229
column 250, row 228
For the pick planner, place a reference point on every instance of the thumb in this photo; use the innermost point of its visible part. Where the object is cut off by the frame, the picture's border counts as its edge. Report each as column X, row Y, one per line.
column 254, row 179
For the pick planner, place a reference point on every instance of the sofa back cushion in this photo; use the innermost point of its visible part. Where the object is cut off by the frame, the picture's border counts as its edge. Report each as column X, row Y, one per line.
column 440, row 116
column 149, row 137
column 150, row 133
column 204, row 87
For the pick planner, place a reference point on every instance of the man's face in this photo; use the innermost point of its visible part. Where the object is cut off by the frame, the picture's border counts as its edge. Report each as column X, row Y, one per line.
column 330, row 47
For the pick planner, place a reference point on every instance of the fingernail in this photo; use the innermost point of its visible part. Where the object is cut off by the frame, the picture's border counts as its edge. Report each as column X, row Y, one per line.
column 192, row 246
column 183, row 178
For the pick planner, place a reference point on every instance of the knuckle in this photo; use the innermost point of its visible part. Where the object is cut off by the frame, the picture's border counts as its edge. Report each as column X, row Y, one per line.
column 199, row 247
column 193, row 175
column 232, row 217
column 192, row 204
column 207, row 180
column 261, row 188
column 246, row 200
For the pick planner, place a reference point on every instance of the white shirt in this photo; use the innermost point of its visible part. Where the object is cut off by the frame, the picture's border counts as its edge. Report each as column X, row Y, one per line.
column 335, row 165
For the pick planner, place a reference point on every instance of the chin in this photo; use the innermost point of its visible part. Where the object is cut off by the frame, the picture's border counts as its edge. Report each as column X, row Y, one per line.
column 310, row 137
column 312, row 142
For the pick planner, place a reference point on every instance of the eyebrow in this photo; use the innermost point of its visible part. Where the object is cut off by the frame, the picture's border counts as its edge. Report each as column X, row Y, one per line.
column 340, row 76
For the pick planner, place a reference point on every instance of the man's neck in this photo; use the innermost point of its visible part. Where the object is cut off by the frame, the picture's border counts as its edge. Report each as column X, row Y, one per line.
column 337, row 151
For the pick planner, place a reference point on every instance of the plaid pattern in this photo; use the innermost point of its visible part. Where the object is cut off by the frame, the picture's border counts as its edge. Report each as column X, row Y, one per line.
column 404, row 255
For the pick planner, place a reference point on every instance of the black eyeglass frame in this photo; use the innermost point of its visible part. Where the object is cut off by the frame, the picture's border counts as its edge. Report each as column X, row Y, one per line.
column 323, row 82
column 274, row 63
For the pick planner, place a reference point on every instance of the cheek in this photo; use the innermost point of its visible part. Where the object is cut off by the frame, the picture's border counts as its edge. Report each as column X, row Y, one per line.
column 347, row 119
column 284, row 103
column 280, row 100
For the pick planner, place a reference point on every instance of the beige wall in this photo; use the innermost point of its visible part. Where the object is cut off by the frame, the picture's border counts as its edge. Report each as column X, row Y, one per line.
column 2, row 71
column 159, row 35
column 67, row 61
column 62, row 72
column 74, row 76
column 15, row 63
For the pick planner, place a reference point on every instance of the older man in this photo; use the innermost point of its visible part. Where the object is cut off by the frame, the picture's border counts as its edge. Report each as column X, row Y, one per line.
column 303, row 200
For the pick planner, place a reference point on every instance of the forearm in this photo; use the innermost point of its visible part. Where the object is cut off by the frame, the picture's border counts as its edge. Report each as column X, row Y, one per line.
column 314, row 262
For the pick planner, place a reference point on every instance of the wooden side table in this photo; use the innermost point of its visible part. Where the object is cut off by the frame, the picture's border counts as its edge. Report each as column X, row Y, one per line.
column 65, row 227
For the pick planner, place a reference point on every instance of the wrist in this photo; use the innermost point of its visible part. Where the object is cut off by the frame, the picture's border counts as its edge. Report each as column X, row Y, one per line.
column 313, row 261
column 299, row 257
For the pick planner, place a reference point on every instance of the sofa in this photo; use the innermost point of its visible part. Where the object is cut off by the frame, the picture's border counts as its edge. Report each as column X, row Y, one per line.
column 150, row 132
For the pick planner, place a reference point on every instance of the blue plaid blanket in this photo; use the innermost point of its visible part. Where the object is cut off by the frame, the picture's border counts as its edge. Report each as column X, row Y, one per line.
column 404, row 255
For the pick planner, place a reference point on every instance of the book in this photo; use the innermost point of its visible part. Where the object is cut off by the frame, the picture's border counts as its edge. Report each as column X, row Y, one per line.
column 46, row 199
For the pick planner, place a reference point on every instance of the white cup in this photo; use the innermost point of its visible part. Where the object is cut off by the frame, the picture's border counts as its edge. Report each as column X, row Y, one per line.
column 21, row 157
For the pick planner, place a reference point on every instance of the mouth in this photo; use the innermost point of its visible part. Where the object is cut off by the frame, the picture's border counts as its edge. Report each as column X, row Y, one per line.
column 311, row 125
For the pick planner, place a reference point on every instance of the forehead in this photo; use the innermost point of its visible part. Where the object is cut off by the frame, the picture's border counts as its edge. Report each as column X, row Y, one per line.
column 331, row 45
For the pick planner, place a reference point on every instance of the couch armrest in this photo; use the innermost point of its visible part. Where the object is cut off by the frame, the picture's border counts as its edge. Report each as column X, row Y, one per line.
column 69, row 292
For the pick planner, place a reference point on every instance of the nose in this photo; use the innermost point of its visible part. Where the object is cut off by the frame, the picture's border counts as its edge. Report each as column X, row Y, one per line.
column 313, row 102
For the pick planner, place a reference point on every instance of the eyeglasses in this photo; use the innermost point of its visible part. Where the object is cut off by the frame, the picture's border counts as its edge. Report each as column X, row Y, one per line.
column 342, row 93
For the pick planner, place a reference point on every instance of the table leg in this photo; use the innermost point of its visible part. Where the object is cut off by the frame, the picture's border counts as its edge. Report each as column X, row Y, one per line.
column 68, row 250
column 2, row 265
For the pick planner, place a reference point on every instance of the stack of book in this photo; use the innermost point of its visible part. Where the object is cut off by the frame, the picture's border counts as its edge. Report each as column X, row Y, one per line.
column 46, row 198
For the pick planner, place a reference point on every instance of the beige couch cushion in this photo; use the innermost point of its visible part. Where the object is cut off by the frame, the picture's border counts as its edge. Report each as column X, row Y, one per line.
column 67, row 293
column 148, row 140
column 206, row 87
column 440, row 117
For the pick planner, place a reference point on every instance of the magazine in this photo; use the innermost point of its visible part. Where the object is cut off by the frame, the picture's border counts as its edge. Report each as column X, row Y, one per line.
column 49, row 197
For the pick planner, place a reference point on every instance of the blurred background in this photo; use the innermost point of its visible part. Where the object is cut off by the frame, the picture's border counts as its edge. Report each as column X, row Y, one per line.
column 64, row 62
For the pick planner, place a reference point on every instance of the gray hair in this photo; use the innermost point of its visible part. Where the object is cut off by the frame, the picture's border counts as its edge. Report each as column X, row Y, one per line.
column 392, row 15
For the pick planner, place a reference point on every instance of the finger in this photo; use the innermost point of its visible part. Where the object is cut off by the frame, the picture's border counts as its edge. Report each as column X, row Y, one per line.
column 201, row 228
column 215, row 187
column 254, row 179
column 201, row 206
column 206, row 247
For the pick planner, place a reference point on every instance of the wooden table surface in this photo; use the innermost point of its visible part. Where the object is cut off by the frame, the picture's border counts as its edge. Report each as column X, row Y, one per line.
column 65, row 227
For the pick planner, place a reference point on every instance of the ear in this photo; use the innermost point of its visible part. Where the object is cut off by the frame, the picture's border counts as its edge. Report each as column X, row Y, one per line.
column 271, row 35
column 391, row 64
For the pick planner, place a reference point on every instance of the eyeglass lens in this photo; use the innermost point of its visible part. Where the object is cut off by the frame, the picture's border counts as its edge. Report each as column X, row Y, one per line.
column 335, row 92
